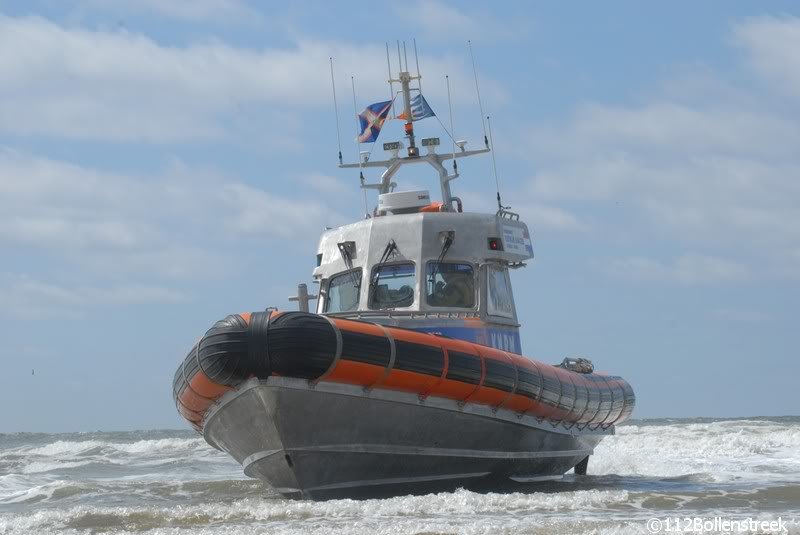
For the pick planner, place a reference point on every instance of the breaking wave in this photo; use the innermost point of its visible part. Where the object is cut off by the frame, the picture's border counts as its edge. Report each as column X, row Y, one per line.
column 172, row 482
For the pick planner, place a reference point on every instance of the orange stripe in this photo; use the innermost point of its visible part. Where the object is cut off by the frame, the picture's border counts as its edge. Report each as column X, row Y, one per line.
column 187, row 413
column 358, row 373
column 451, row 389
column 408, row 381
column 246, row 317
column 486, row 395
column 195, row 402
column 205, row 387
column 519, row 403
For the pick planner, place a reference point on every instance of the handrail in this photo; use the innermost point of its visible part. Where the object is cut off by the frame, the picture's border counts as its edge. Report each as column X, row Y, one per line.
column 412, row 314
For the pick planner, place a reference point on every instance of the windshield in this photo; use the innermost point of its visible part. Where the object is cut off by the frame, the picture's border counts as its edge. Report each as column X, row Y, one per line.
column 500, row 302
column 393, row 286
column 343, row 292
column 450, row 285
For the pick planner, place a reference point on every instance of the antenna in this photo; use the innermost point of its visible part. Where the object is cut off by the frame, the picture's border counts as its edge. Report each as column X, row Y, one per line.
column 336, row 109
column 478, row 91
column 405, row 54
column 358, row 145
column 391, row 81
column 419, row 76
column 452, row 128
column 500, row 206
column 399, row 59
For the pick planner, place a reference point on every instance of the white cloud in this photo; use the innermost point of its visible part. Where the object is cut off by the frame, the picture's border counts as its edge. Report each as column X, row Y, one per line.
column 117, row 85
column 326, row 184
column 704, row 163
column 135, row 238
column 439, row 21
column 687, row 269
column 188, row 10
column 542, row 216
column 771, row 44
column 161, row 226
column 22, row 296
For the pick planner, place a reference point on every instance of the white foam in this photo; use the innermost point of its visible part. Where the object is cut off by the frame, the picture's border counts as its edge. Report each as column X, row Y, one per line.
column 73, row 486
column 462, row 512
column 458, row 508
column 64, row 448
column 38, row 467
column 719, row 450
column 171, row 445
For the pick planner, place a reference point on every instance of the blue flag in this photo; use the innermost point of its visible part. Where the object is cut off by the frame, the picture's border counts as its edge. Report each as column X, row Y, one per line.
column 372, row 119
column 419, row 109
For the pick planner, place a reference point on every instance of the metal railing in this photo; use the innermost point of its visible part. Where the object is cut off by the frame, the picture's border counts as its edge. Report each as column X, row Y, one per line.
column 405, row 314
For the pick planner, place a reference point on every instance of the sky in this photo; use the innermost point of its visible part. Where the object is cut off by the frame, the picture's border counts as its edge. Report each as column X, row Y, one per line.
column 164, row 164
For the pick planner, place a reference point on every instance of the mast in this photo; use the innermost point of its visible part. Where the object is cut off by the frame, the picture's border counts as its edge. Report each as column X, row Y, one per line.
column 393, row 164
column 404, row 79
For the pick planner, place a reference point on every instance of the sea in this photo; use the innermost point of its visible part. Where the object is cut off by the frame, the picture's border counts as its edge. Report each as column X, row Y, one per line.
column 652, row 476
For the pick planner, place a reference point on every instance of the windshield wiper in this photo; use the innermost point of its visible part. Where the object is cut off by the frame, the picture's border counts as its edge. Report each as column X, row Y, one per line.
column 449, row 238
column 346, row 250
column 391, row 247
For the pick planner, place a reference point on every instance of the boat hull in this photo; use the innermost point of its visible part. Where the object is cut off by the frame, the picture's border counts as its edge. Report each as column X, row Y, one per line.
column 331, row 440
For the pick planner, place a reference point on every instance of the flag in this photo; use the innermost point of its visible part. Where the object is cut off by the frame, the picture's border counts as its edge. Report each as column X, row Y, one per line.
column 372, row 119
column 419, row 109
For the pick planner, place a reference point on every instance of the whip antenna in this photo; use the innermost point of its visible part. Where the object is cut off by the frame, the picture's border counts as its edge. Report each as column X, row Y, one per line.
column 500, row 206
column 336, row 110
column 399, row 58
column 391, row 85
column 419, row 76
column 358, row 146
column 478, row 91
column 452, row 128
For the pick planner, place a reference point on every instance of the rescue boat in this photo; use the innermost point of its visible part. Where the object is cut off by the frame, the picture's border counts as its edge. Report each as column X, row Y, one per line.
column 409, row 375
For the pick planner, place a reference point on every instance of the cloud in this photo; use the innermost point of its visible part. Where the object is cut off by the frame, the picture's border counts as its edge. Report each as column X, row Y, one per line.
column 687, row 269
column 22, row 296
column 771, row 45
column 136, row 238
column 439, row 21
column 186, row 10
column 703, row 163
column 77, row 83
column 169, row 225
column 539, row 215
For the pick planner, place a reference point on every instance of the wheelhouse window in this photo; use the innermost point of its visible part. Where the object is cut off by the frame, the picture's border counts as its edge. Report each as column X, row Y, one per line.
column 344, row 290
column 392, row 286
column 450, row 284
column 499, row 299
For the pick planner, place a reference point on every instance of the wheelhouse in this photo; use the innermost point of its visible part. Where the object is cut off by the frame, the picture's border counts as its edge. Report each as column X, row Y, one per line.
column 442, row 272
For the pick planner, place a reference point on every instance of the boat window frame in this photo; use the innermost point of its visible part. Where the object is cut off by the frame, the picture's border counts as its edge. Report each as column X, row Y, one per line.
column 475, row 284
column 489, row 303
column 370, row 288
column 327, row 294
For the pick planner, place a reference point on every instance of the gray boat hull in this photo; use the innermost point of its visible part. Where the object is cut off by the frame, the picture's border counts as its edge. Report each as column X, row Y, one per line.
column 333, row 440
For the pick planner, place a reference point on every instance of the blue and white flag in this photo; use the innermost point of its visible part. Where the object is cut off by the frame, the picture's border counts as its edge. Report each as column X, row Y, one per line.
column 419, row 109
column 372, row 119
